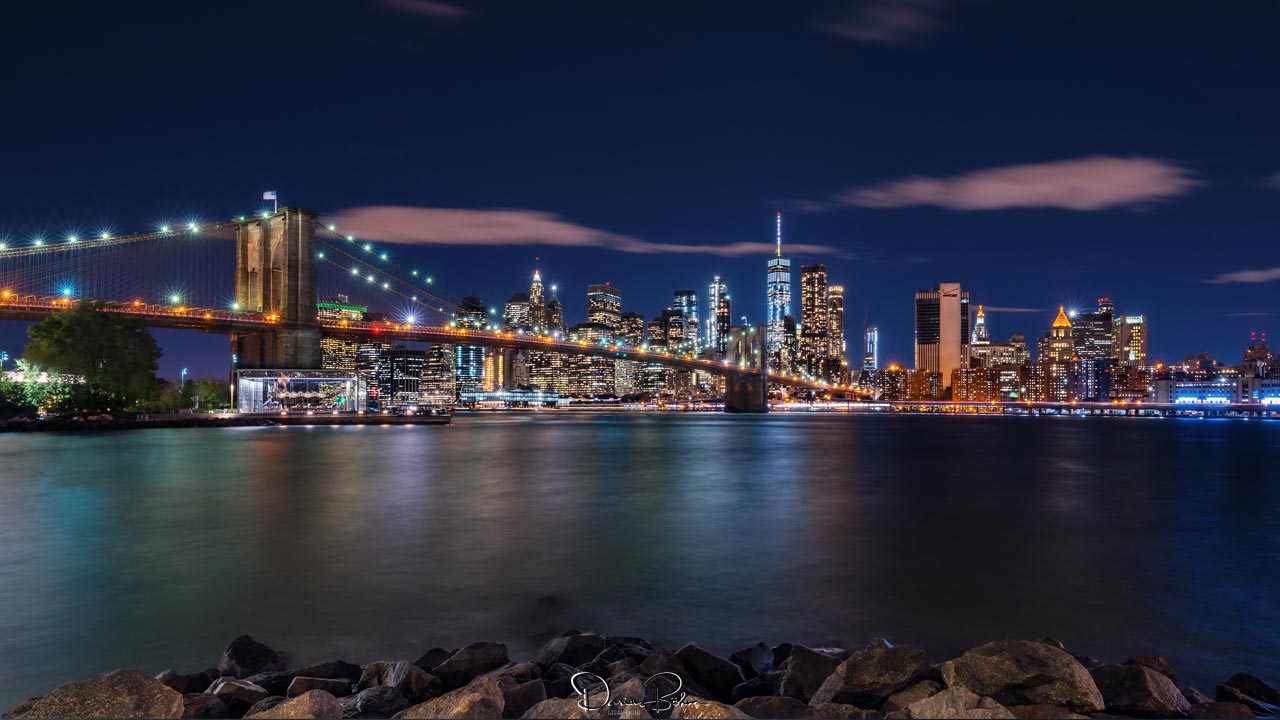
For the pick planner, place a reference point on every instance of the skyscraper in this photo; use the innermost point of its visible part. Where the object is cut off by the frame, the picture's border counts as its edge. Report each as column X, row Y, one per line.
column 1131, row 340
column 469, row 359
column 1057, row 348
column 604, row 306
column 815, row 320
column 536, row 316
column 778, row 302
column 835, row 323
column 980, row 334
column 686, row 301
column 515, row 314
column 724, row 320
column 1093, row 335
column 871, row 349
column 942, row 330
column 554, row 320
column 715, row 291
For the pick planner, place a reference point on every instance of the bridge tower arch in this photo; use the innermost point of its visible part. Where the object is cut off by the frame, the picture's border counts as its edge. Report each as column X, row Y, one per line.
column 746, row 392
column 276, row 274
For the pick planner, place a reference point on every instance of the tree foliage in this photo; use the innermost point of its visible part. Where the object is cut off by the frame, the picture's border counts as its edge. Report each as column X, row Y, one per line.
column 206, row 393
column 112, row 356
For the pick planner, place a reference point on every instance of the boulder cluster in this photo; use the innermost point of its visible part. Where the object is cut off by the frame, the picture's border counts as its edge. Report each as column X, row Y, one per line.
column 1027, row 680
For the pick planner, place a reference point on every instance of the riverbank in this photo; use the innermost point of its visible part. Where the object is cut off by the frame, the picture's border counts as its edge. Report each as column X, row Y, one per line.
column 630, row 677
column 230, row 420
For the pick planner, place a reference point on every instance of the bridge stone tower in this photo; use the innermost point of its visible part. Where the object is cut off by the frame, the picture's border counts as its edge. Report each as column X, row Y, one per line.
column 276, row 274
column 746, row 392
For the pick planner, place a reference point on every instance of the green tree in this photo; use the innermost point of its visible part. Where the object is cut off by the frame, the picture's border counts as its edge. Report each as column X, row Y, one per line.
column 111, row 357
column 206, row 393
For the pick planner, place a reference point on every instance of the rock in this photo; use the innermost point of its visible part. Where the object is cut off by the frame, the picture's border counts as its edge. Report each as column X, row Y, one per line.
column 469, row 663
column 577, row 649
column 663, row 660
column 310, row 705
column 203, row 705
column 868, row 677
column 804, row 672
column 878, row 643
column 245, row 656
column 523, row 672
column 117, row 694
column 185, row 684
column 518, row 700
column 239, row 695
column 1226, row 693
column 561, row 709
column 1155, row 662
column 755, row 687
column 754, row 660
column 277, row 682
column 431, row 658
column 1194, row 696
column 1254, row 687
column 1088, row 661
column 1044, row 712
column 837, row 711
column 265, row 704
column 700, row 707
column 911, row 694
column 557, row 679
column 781, row 653
column 1213, row 709
column 375, row 702
column 772, row 706
column 19, row 709
column 481, row 699
column 1051, row 641
column 336, row 688
column 954, row 702
column 1139, row 691
column 416, row 684
column 1018, row 672
column 711, row 671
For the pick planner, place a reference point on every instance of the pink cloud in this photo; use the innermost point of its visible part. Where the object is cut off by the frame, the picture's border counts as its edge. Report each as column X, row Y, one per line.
column 409, row 225
column 430, row 8
column 1246, row 276
column 886, row 22
column 1091, row 183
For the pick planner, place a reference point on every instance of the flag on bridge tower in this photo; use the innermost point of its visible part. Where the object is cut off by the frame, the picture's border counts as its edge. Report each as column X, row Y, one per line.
column 271, row 195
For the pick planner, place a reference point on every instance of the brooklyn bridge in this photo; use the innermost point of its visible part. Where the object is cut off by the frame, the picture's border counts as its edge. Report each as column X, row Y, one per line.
column 268, row 306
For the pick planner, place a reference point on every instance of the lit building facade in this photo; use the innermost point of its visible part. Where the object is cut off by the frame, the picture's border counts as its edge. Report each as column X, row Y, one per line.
column 604, row 306
column 778, row 302
column 713, row 334
column 815, row 320
column 1057, row 349
column 1131, row 340
column 399, row 376
column 337, row 353
column 686, row 302
column 724, row 321
column 469, row 360
column 942, row 330
column 871, row 348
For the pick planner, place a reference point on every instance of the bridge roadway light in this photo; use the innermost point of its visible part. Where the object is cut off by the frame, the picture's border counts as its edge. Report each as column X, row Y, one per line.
column 38, row 242
column 164, row 228
column 72, row 238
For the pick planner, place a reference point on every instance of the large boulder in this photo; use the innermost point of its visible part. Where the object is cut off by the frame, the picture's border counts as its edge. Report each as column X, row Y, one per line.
column 1155, row 662
column 480, row 700
column 566, row 709
column 840, row 711
column 239, row 695
column 1138, row 691
column 870, row 676
column 338, row 687
column 245, row 656
column 265, row 704
column 471, row 662
column 204, row 706
column 416, row 684
column 772, row 706
column 1227, row 693
column 754, row 660
column 911, row 694
column 1221, row 710
column 954, row 702
column 311, row 705
column 374, row 702
column 803, row 672
column 711, row 671
column 277, row 682
column 571, row 649
column 1044, row 712
column 517, row 700
column 663, row 660
column 431, row 658
column 1018, row 672
column 117, row 694
column 193, row 683
column 1254, row 687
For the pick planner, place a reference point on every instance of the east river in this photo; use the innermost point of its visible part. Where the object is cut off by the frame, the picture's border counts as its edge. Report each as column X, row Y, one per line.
column 152, row 549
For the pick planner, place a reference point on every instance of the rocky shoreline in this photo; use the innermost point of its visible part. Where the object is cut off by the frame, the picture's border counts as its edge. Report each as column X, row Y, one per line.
column 629, row 677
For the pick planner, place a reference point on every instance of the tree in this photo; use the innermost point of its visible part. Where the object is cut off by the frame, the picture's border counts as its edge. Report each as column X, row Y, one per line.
column 206, row 393
column 112, row 356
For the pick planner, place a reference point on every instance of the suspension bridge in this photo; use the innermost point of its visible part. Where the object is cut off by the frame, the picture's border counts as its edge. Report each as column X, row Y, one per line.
column 179, row 275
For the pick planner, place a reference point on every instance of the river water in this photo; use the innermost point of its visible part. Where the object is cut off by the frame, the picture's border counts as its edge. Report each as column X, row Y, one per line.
column 152, row 549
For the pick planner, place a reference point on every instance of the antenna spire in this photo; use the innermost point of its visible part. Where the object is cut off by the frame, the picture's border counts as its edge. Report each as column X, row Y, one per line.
column 778, row 253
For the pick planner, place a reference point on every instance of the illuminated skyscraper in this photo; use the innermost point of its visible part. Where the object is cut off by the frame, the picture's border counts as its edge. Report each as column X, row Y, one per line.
column 439, row 384
column 835, row 323
column 815, row 320
column 536, row 317
column 1131, row 340
column 724, row 320
column 686, row 302
column 399, row 376
column 1057, row 349
column 604, row 306
column 337, row 353
column 871, row 349
column 553, row 321
column 980, row 334
column 469, row 359
column 942, row 330
column 715, row 291
column 515, row 314
column 778, row 302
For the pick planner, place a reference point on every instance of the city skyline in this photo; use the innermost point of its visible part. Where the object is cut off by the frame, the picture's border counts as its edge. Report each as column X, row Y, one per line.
column 620, row 172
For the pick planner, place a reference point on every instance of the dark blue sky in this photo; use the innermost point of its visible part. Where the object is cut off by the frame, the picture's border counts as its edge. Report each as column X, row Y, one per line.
column 1073, row 149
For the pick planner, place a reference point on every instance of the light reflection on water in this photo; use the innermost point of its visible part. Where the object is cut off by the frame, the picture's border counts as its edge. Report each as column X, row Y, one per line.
column 153, row 549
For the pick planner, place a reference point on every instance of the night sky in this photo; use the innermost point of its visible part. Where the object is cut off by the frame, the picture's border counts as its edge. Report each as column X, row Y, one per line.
column 1038, row 153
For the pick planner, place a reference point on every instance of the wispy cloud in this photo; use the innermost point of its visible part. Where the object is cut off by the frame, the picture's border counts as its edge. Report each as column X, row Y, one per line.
column 429, row 8
column 886, row 22
column 1248, row 314
column 409, row 225
column 998, row 309
column 1246, row 276
column 1097, row 182
column 1273, row 182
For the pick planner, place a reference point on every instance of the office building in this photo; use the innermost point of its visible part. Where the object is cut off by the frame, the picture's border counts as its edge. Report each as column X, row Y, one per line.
column 604, row 306
column 1131, row 340
column 536, row 317
column 724, row 320
column 469, row 360
column 439, row 385
column 815, row 321
column 778, row 302
column 835, row 325
column 942, row 330
column 515, row 313
column 399, row 377
column 1056, row 351
column 686, row 302
column 713, row 333
column 871, row 348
